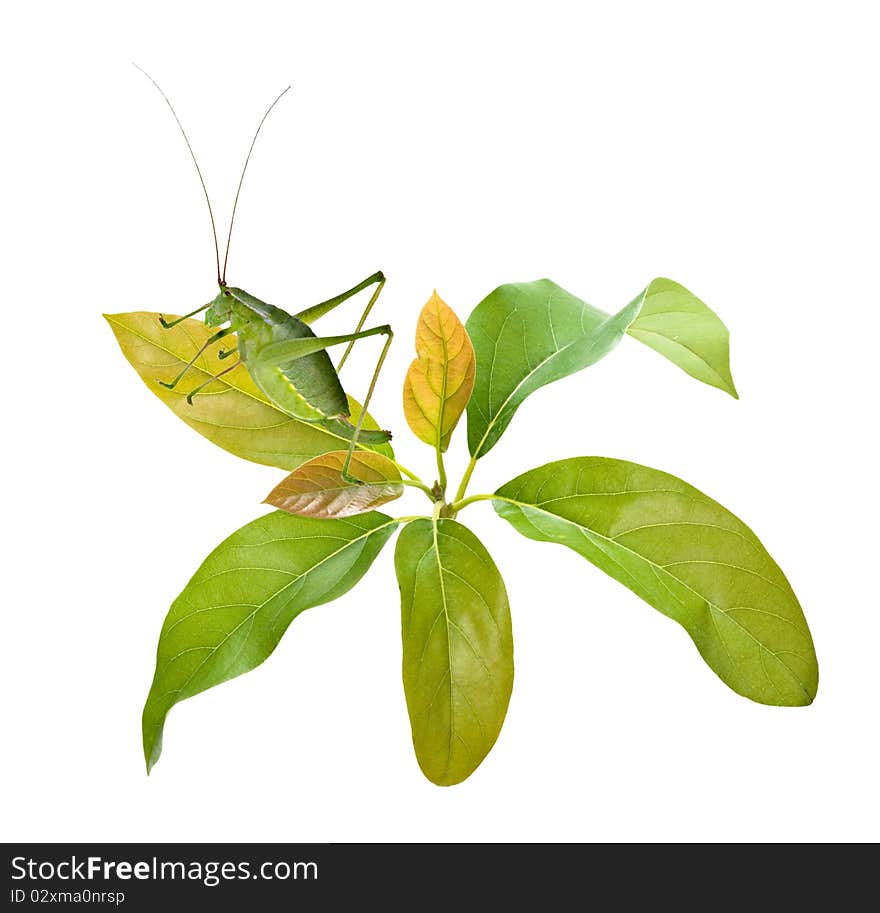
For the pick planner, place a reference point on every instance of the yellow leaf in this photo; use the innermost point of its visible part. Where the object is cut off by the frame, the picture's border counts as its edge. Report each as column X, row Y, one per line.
column 439, row 382
column 232, row 413
column 317, row 488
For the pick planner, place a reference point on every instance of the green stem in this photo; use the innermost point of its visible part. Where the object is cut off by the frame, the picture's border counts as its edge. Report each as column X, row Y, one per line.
column 441, row 470
column 466, row 478
column 409, row 518
column 405, row 471
column 413, row 480
column 458, row 505
column 413, row 483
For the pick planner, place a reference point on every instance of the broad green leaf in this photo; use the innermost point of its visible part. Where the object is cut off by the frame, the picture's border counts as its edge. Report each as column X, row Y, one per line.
column 526, row 335
column 675, row 323
column 232, row 613
column 317, row 488
column 232, row 413
column 529, row 334
column 457, row 646
column 685, row 555
column 439, row 382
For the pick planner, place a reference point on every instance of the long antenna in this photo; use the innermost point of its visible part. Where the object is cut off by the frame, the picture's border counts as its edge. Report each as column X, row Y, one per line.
column 241, row 181
column 196, row 163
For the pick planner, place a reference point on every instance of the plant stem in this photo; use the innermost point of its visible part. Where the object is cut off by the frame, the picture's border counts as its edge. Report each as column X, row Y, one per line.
column 441, row 470
column 458, row 505
column 405, row 471
column 415, row 483
column 409, row 518
column 465, row 479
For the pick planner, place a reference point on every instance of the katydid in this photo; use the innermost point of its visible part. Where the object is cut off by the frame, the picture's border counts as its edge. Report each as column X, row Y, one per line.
column 280, row 351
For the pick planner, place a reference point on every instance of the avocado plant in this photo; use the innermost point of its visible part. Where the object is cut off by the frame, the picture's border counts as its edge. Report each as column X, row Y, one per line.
column 680, row 551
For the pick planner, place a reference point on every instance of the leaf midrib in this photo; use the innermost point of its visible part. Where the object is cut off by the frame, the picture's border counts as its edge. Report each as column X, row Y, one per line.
column 434, row 524
column 442, row 413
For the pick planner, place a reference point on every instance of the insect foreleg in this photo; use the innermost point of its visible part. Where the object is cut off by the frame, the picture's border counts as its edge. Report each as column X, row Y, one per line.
column 210, row 380
column 309, row 315
column 360, row 420
column 173, row 323
column 215, row 338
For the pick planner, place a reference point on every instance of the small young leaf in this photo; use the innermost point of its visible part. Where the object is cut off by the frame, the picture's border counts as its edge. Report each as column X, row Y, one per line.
column 439, row 382
column 528, row 334
column 457, row 646
column 675, row 323
column 685, row 555
column 233, row 612
column 232, row 413
column 317, row 488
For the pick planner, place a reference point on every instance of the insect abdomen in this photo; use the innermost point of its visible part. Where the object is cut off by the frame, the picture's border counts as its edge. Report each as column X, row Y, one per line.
column 301, row 387
column 307, row 388
column 312, row 377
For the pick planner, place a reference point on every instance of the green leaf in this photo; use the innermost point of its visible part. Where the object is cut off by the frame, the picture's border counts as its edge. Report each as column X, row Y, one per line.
column 232, row 413
column 457, row 646
column 318, row 489
column 685, row 555
column 675, row 323
column 529, row 334
column 526, row 335
column 233, row 612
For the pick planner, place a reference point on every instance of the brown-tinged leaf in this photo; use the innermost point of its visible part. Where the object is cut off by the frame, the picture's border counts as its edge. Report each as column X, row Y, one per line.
column 317, row 488
column 439, row 382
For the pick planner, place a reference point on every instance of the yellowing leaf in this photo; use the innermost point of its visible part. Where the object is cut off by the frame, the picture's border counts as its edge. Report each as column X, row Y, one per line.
column 440, row 381
column 232, row 412
column 457, row 646
column 317, row 488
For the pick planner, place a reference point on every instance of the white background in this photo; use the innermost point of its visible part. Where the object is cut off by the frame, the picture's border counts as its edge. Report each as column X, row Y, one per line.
column 732, row 147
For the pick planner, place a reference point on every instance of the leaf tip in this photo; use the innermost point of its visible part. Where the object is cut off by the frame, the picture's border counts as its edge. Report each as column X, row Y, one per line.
column 151, row 755
column 727, row 386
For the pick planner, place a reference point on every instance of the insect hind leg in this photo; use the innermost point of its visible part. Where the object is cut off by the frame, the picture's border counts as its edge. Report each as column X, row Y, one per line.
column 363, row 320
column 389, row 336
column 278, row 353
